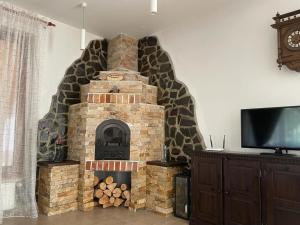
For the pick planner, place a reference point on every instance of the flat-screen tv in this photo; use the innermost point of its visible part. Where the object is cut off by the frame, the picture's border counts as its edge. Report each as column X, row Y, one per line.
column 271, row 128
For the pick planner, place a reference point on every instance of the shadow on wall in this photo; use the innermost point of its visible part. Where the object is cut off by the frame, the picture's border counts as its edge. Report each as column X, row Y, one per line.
column 181, row 131
column 55, row 123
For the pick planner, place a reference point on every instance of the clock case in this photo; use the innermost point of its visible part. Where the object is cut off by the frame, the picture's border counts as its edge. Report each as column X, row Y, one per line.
column 285, row 25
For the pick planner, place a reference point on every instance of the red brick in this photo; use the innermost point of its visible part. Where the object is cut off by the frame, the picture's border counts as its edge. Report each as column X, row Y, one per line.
column 111, row 166
column 99, row 165
column 113, row 98
column 102, row 98
column 123, row 166
column 105, row 167
column 88, row 165
column 93, row 165
column 92, row 98
column 96, row 98
column 117, row 166
column 128, row 167
column 137, row 99
column 107, row 98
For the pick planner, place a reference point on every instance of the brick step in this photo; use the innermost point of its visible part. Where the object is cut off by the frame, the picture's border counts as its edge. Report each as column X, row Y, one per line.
column 122, row 76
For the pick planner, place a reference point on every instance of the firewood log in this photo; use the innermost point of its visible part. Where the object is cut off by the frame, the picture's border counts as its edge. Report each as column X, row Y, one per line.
column 96, row 181
column 102, row 186
column 123, row 187
column 126, row 195
column 127, row 203
column 112, row 200
column 117, row 192
column 104, row 200
column 98, row 193
column 108, row 192
column 109, row 180
column 118, row 202
column 112, row 186
column 106, row 205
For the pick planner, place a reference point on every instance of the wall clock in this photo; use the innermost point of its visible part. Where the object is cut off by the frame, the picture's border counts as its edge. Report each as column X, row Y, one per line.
column 288, row 34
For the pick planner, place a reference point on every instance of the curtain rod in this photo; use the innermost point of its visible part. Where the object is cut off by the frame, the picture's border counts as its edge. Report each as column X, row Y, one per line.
column 48, row 23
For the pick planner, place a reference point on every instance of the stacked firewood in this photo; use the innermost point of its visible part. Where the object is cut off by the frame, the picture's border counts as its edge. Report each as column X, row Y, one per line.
column 110, row 194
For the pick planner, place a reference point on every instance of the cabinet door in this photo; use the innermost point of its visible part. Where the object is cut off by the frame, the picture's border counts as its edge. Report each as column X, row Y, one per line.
column 242, row 201
column 281, row 194
column 206, row 191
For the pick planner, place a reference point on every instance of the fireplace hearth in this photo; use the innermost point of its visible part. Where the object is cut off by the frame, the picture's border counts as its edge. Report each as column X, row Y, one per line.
column 112, row 141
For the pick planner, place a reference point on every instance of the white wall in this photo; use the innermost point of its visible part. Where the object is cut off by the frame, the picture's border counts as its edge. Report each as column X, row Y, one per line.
column 228, row 61
column 63, row 48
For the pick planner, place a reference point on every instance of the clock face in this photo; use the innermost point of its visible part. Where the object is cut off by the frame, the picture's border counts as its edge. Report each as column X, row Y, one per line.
column 293, row 40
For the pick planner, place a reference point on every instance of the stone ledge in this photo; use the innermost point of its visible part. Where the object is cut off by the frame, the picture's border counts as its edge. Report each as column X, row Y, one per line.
column 166, row 164
column 53, row 164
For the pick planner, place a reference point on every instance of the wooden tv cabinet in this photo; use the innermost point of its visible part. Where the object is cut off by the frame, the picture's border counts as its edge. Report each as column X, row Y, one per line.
column 234, row 188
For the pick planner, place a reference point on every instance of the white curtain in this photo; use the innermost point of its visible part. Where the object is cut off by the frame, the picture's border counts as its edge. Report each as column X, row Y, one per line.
column 22, row 38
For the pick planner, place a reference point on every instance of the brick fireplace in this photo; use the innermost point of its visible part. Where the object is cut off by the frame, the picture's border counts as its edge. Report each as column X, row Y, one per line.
column 118, row 125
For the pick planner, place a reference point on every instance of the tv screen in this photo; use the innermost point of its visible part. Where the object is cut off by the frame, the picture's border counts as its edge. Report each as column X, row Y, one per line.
column 271, row 128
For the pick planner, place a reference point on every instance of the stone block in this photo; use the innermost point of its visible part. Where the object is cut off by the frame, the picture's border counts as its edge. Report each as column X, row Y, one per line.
column 160, row 188
column 58, row 189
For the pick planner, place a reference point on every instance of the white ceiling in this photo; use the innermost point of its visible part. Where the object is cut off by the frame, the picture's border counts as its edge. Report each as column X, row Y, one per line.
column 110, row 17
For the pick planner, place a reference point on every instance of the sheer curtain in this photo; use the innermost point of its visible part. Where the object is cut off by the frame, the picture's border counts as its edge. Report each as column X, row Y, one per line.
column 22, row 38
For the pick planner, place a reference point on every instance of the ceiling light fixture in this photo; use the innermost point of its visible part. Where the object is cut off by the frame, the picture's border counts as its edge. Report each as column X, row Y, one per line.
column 82, row 37
column 153, row 7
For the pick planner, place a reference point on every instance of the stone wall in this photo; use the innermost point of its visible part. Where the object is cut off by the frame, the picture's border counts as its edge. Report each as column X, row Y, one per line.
column 55, row 122
column 181, row 131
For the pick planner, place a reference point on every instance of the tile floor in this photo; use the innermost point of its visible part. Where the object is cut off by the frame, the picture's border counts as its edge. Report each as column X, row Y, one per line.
column 98, row 216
